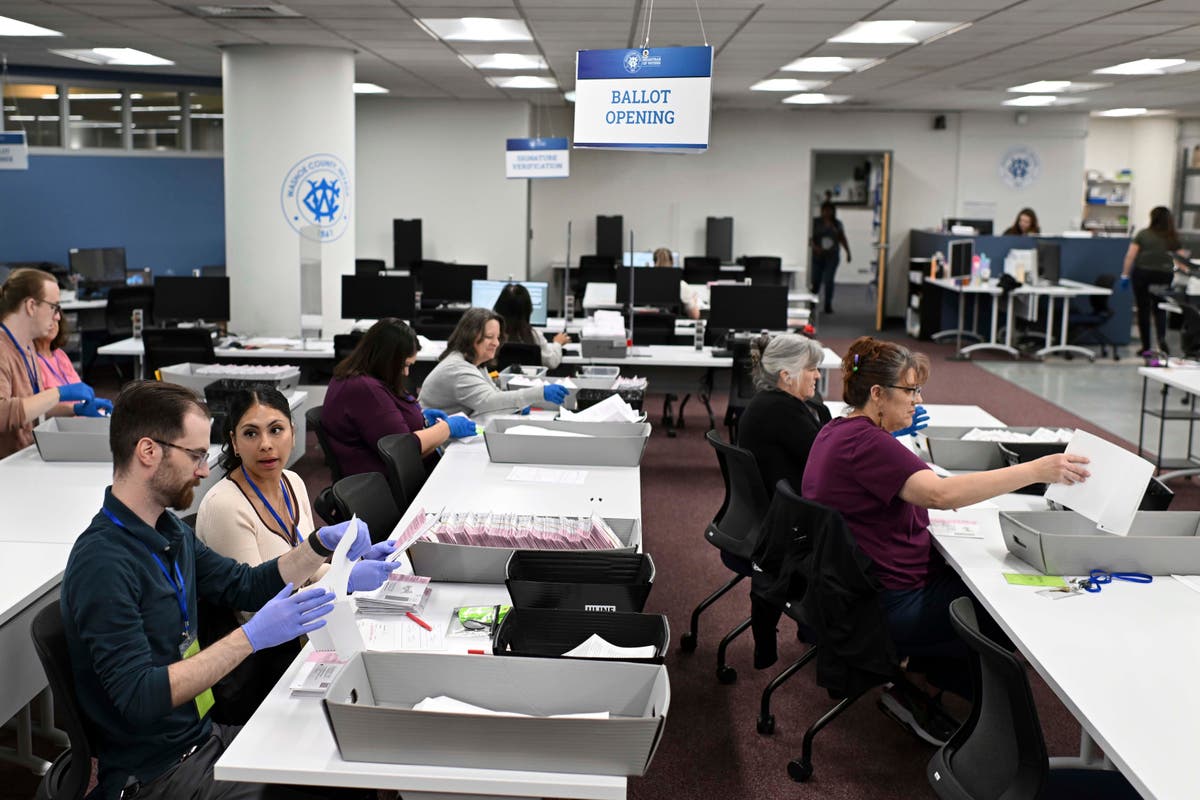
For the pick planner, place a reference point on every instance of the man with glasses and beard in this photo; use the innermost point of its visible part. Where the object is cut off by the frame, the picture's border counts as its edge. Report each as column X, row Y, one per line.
column 129, row 604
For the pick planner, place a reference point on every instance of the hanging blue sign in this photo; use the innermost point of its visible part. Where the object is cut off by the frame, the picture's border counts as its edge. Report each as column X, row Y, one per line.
column 657, row 99
column 14, row 153
column 537, row 158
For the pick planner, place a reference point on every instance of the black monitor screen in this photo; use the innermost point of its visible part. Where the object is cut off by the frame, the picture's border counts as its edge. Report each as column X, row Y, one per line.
column 652, row 286
column 983, row 227
column 98, row 266
column 962, row 252
column 377, row 296
column 1047, row 262
column 188, row 299
column 751, row 308
column 450, row 283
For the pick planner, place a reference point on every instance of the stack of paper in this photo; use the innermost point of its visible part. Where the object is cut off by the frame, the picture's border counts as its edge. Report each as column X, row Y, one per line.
column 517, row 531
column 1111, row 496
column 595, row 646
column 534, row 430
column 1046, row 435
column 316, row 674
column 610, row 409
column 525, row 381
column 399, row 594
column 448, row 705
column 604, row 324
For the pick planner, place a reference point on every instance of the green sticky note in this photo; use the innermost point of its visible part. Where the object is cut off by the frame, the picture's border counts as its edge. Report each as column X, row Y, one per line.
column 1019, row 579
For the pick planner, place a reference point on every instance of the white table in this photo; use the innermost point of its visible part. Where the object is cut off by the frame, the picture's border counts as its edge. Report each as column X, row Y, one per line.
column 464, row 480
column 941, row 414
column 1186, row 380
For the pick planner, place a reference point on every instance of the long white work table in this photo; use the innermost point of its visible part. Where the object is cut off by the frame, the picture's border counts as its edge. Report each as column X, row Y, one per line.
column 463, row 480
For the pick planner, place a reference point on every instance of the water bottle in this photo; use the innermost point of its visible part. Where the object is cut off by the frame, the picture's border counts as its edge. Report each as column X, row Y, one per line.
column 136, row 322
column 699, row 336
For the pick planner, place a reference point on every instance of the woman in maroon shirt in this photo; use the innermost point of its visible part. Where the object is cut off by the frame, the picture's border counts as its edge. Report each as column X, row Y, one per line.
column 367, row 400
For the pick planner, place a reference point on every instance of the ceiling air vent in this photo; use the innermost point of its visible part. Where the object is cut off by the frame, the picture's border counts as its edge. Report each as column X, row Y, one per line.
column 250, row 11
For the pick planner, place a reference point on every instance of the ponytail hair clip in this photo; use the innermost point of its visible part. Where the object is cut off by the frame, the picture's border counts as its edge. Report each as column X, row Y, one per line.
column 855, row 367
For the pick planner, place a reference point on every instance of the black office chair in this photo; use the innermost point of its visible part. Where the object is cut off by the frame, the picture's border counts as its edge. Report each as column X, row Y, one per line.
column 312, row 420
column 369, row 266
column 741, row 384
column 762, row 270
column 167, row 346
column 526, row 355
column 654, row 328
column 68, row 776
column 734, row 531
column 406, row 472
column 434, row 329
column 118, row 316
column 369, row 496
column 344, row 344
column 701, row 269
column 1085, row 326
column 415, row 268
column 999, row 751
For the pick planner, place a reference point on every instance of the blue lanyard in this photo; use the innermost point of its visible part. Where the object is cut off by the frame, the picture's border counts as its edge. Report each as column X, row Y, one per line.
column 29, row 367
column 176, row 581
column 294, row 538
column 50, row 366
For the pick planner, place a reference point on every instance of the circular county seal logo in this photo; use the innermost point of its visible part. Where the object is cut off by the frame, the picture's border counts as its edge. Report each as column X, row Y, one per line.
column 316, row 192
column 632, row 61
column 1020, row 167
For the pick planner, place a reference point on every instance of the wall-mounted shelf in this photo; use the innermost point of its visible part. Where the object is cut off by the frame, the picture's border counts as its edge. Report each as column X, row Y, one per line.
column 1117, row 196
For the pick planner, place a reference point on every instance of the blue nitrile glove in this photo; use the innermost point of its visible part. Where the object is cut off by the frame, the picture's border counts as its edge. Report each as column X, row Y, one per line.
column 432, row 416
column 524, row 412
column 555, row 393
column 460, row 427
column 98, row 407
column 331, row 535
column 76, row 393
column 1123, row 284
column 367, row 576
column 920, row 421
column 381, row 551
column 286, row 616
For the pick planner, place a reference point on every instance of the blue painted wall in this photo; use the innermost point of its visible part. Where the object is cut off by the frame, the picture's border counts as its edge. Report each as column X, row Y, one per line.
column 168, row 213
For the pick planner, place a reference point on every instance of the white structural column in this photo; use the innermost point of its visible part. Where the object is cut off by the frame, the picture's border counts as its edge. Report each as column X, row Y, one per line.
column 289, row 166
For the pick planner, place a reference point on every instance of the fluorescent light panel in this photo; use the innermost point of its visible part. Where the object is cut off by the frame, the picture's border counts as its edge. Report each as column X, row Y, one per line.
column 523, row 82
column 1150, row 66
column 894, row 31
column 788, row 85
column 1054, row 87
column 1042, row 100
column 477, row 29
column 830, row 64
column 369, row 88
column 94, row 96
column 816, row 99
column 506, row 61
column 14, row 27
column 1120, row 112
column 114, row 56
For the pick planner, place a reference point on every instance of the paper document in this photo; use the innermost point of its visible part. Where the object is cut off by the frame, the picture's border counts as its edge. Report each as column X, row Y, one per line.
column 536, row 430
column 957, row 527
column 611, row 409
column 1047, row 435
column 448, row 705
column 1111, row 496
column 1190, row 581
column 400, row 633
column 316, row 674
column 573, row 477
column 340, row 632
column 596, row 647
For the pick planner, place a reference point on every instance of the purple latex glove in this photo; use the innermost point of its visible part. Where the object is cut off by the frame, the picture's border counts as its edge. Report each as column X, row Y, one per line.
column 331, row 535
column 367, row 576
column 286, row 616
column 381, row 551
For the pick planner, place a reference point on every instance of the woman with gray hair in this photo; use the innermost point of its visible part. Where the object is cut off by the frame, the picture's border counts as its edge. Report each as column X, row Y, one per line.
column 783, row 419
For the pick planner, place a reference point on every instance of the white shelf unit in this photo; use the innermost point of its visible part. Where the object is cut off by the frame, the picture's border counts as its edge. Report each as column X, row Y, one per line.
column 1106, row 204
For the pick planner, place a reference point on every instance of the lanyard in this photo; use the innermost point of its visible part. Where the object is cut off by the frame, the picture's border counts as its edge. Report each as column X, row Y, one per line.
column 29, row 366
column 50, row 366
column 176, row 581
column 294, row 538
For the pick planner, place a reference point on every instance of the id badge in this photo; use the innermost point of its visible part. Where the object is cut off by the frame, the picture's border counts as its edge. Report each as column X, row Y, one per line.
column 204, row 701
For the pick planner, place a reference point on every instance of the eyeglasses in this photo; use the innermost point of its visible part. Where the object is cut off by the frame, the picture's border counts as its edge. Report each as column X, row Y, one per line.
column 913, row 390
column 199, row 457
column 56, row 306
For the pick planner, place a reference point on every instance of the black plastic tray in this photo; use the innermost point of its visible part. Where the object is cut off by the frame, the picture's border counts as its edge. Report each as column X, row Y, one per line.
column 548, row 633
column 584, row 581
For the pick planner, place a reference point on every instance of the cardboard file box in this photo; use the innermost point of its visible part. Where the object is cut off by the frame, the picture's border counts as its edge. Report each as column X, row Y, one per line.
column 284, row 378
column 548, row 633
column 73, row 439
column 581, row 580
column 459, row 563
column 611, row 444
column 947, row 449
column 369, row 707
column 1066, row 543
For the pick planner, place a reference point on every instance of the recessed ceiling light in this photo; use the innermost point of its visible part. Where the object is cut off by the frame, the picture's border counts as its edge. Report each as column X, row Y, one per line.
column 830, row 64
column 115, row 57
column 1120, row 112
column 1031, row 100
column 816, row 99
column 93, row 96
column 895, row 31
column 569, row 96
column 14, row 27
column 523, row 82
column 477, row 29
column 1054, row 87
column 506, row 61
column 787, row 85
column 1150, row 66
column 369, row 88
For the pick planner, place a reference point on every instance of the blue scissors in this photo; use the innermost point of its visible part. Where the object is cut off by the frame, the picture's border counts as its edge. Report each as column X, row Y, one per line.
column 1099, row 577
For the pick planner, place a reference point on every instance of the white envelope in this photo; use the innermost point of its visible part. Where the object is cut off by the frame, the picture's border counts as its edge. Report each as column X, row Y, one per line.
column 341, row 632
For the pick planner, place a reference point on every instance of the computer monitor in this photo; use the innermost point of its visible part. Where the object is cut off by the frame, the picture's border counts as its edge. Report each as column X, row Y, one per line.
column 98, row 267
column 1048, row 262
column 378, row 296
column 484, row 294
column 962, row 251
column 983, row 227
column 189, row 299
column 748, row 307
column 450, row 283
column 652, row 286
column 645, row 258
column 138, row 277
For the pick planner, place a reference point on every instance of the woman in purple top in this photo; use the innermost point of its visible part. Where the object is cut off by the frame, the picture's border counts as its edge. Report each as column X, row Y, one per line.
column 882, row 489
column 367, row 400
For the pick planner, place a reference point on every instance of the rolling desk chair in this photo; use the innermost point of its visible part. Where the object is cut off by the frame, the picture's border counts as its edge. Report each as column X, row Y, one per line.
column 406, row 472
column 741, row 383
column 369, row 496
column 167, row 346
column 344, row 344
column 762, row 270
column 1084, row 326
column 701, row 269
column 69, row 775
column 526, row 355
column 369, row 266
column 312, row 419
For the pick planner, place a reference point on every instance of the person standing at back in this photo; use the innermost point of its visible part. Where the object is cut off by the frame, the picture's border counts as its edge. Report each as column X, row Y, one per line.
column 828, row 236
column 1151, row 261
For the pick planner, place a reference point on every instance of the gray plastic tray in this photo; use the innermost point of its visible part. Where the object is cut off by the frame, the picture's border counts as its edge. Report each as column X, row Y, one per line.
column 613, row 444
column 458, row 563
column 185, row 375
column 1067, row 543
column 513, row 370
column 603, row 348
column 73, row 439
column 947, row 449
column 369, row 707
